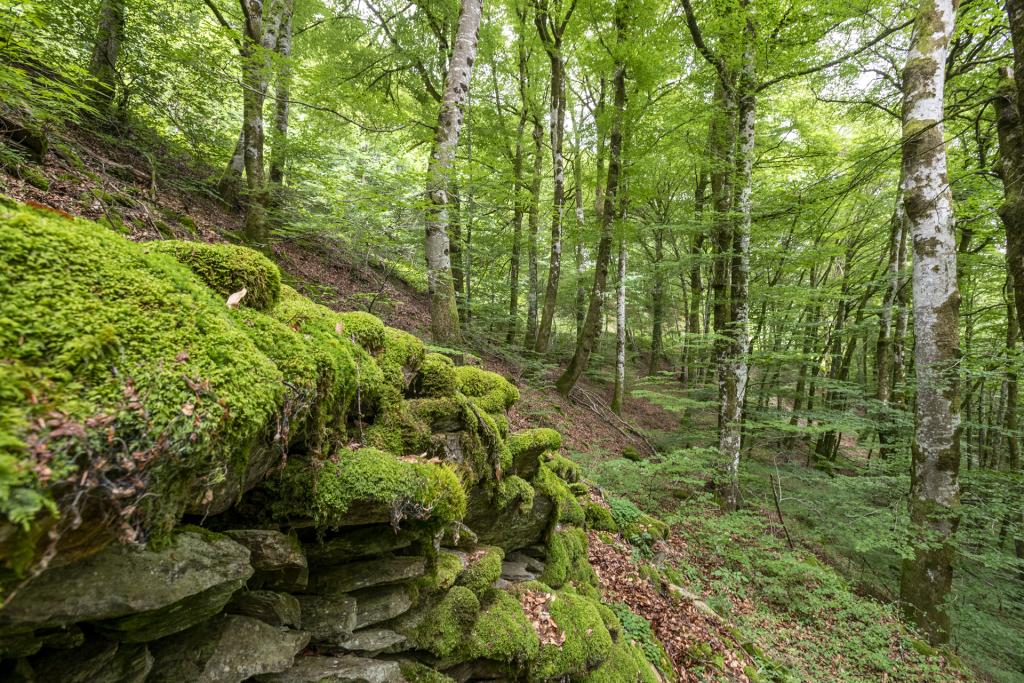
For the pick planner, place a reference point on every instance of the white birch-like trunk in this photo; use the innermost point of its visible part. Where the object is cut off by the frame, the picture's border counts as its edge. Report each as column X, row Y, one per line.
column 282, row 94
column 620, row 333
column 557, row 117
column 444, row 315
column 934, row 489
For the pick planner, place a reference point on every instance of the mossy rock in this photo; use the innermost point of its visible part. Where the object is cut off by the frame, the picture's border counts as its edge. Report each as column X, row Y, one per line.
column 365, row 486
column 631, row 453
column 164, row 229
column 526, row 448
column 555, row 488
column 188, row 224
column 114, row 222
column 124, row 340
column 923, row 648
column 228, row 269
column 567, row 559
column 33, row 177
column 483, row 571
column 626, row 664
column 366, row 328
column 515, row 490
column 490, row 392
column 579, row 489
column 646, row 531
column 445, row 629
column 599, row 518
column 437, row 378
column 587, row 641
column 71, row 156
column 566, row 469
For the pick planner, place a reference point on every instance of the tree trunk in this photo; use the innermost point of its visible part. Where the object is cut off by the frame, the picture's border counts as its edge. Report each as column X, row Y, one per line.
column 657, row 303
column 532, row 293
column 517, row 233
column 558, row 208
column 934, row 489
column 105, row 52
column 620, row 332
column 444, row 315
column 581, row 287
column 283, row 93
column 585, row 344
column 899, row 337
column 1012, row 438
column 455, row 248
column 230, row 183
column 260, row 38
column 883, row 390
column 693, row 332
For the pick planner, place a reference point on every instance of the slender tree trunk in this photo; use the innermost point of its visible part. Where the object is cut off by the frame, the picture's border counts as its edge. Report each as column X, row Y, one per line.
column 230, row 183
column 883, row 390
column 517, row 233
column 532, row 293
column 580, row 253
column 283, row 94
column 585, row 344
column 105, row 52
column 927, row 578
column 693, row 332
column 558, row 208
column 259, row 40
column 444, row 315
column 899, row 340
column 455, row 248
column 620, row 332
column 1012, row 438
column 657, row 303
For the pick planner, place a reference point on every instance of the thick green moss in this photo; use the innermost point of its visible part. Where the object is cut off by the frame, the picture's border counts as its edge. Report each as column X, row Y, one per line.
column 325, row 489
column 567, row 559
column 437, row 378
column 402, row 358
column 148, row 363
column 555, row 488
column 367, row 329
column 626, row 664
column 587, row 641
column 645, row 531
column 445, row 629
column 599, row 518
column 537, row 440
column 566, row 469
column 489, row 391
column 513, row 489
column 502, row 632
column 418, row 673
column 227, row 268
column 446, row 569
column 483, row 571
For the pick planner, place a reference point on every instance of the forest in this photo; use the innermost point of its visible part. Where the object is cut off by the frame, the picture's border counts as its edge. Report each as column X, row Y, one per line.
column 774, row 249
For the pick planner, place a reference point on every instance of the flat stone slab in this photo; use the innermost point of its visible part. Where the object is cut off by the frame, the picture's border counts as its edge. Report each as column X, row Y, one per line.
column 96, row 662
column 373, row 641
column 336, row 670
column 225, row 649
column 269, row 550
column 126, row 580
column 329, row 620
column 516, row 572
column 371, row 540
column 374, row 605
column 276, row 609
column 375, row 572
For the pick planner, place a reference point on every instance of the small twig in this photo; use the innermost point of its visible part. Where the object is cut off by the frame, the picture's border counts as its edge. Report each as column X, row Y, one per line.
column 778, row 509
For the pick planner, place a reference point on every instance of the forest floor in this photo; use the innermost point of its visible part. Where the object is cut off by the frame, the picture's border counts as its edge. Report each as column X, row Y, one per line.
column 793, row 616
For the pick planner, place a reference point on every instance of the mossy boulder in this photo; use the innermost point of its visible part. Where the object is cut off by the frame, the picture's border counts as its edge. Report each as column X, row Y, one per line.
column 364, row 486
column 437, row 378
column 509, row 528
column 33, row 177
column 599, row 518
column 567, row 559
column 587, row 641
column 631, row 453
column 484, row 569
column 227, row 269
column 525, row 447
column 366, row 329
column 490, row 392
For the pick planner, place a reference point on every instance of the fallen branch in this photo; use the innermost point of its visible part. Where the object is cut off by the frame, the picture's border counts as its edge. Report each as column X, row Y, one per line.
column 778, row 509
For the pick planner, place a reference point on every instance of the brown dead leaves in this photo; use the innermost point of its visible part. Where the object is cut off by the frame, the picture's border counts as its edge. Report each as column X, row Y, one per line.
column 536, row 605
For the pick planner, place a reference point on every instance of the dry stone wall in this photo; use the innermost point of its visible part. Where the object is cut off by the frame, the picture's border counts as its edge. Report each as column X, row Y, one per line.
column 276, row 493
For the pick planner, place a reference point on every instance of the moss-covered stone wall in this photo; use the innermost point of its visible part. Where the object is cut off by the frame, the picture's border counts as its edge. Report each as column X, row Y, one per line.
column 199, row 492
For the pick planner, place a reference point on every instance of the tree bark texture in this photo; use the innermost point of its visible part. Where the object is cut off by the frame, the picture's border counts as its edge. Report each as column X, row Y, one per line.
column 934, row 489
column 444, row 315
column 585, row 344
column 517, row 234
column 883, row 388
column 103, row 65
column 620, row 333
column 657, row 303
column 532, row 294
column 283, row 94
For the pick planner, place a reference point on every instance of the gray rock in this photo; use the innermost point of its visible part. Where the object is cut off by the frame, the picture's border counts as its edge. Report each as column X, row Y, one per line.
column 458, row 535
column 225, row 649
column 371, row 540
column 97, row 662
column 508, row 528
column 336, row 670
column 372, row 641
column 329, row 620
column 61, row 637
column 538, row 551
column 355, row 575
column 516, row 572
column 478, row 669
column 276, row 609
column 527, row 446
column 532, row 564
column 462, row 557
column 126, row 580
column 17, row 645
column 270, row 550
column 290, row 580
column 380, row 604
